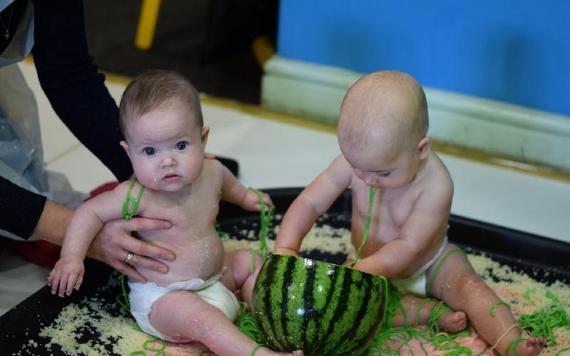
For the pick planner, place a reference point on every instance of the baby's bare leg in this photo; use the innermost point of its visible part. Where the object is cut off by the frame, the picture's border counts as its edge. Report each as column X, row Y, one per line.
column 458, row 285
column 417, row 311
column 238, row 276
column 184, row 315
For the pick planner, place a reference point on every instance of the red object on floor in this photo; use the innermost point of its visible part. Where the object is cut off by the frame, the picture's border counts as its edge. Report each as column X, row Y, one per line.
column 40, row 252
column 102, row 188
column 45, row 253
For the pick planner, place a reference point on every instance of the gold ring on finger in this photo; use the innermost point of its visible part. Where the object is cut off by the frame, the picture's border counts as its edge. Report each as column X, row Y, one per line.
column 130, row 259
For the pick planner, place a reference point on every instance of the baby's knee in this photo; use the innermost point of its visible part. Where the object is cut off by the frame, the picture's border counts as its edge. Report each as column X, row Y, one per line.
column 180, row 311
column 178, row 304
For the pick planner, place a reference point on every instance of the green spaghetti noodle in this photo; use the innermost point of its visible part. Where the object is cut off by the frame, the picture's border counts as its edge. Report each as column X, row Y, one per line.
column 265, row 216
column 123, row 298
column 544, row 321
column 494, row 306
column 254, row 350
column 512, row 348
column 437, row 311
column 366, row 230
column 157, row 350
column 131, row 203
column 248, row 325
column 439, row 264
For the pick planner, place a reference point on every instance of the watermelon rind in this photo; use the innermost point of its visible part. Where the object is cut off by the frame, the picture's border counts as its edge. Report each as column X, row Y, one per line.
column 316, row 306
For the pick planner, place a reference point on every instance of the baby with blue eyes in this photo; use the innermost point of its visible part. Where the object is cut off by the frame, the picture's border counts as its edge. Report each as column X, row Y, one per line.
column 165, row 139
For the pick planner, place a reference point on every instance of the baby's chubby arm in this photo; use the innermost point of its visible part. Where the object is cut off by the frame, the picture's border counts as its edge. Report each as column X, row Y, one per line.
column 236, row 193
column 313, row 201
column 424, row 227
column 85, row 223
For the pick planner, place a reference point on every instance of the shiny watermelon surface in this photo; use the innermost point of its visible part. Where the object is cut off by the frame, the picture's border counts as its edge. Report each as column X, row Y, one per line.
column 318, row 307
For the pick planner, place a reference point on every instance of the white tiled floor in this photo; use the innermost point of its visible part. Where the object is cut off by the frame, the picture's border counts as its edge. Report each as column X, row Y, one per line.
column 274, row 154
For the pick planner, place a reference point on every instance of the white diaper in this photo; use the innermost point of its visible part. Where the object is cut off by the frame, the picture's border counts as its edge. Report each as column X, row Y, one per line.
column 416, row 284
column 212, row 291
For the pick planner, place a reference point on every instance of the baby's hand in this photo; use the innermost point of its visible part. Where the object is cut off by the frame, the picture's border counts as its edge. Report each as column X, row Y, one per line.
column 251, row 202
column 285, row 251
column 66, row 275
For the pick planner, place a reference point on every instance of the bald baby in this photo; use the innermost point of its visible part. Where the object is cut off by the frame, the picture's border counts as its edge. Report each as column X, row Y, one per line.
column 388, row 107
column 382, row 133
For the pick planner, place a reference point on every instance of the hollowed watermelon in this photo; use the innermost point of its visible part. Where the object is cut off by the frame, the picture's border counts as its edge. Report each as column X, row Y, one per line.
column 318, row 307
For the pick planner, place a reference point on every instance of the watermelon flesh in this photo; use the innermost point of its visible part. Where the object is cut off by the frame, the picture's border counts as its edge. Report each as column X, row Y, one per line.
column 318, row 307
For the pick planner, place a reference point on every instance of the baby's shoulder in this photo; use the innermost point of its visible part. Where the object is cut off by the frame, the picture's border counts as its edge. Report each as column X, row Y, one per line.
column 212, row 168
column 214, row 163
column 340, row 162
column 341, row 169
column 128, row 186
column 437, row 181
column 212, row 175
column 438, row 171
column 115, row 199
column 132, row 193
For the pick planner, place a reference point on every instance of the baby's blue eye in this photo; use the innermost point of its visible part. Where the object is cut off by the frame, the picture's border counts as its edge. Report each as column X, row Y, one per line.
column 181, row 145
column 149, row 151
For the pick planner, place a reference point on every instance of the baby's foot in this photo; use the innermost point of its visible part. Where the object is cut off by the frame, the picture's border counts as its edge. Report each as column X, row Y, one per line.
column 531, row 346
column 453, row 322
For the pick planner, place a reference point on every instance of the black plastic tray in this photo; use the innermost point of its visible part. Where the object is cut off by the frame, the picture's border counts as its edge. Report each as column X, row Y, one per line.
column 545, row 259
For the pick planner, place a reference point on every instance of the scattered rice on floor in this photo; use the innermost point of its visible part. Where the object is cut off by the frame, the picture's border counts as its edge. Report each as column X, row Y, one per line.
column 119, row 335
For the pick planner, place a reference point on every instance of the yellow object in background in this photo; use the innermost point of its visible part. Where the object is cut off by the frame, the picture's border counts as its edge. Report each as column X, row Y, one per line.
column 147, row 24
column 262, row 50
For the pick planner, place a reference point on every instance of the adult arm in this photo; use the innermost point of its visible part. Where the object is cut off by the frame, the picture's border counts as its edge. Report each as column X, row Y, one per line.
column 77, row 93
column 25, row 213
column 112, row 243
column 71, row 82
column 20, row 209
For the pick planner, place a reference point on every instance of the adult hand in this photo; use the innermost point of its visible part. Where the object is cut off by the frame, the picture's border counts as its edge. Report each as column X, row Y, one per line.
column 119, row 249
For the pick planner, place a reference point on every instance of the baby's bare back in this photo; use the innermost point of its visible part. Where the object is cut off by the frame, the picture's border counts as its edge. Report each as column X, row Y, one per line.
column 199, row 250
column 400, row 213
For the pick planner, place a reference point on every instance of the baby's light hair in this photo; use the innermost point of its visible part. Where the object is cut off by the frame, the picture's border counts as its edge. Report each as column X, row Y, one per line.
column 157, row 89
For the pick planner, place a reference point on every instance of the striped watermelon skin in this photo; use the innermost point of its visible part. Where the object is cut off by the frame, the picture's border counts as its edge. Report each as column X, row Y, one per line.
column 318, row 307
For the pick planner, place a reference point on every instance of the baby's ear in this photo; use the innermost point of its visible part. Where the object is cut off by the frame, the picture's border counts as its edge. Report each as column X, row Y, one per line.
column 125, row 146
column 424, row 147
column 204, row 135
